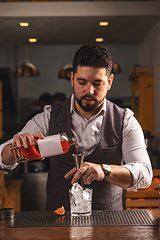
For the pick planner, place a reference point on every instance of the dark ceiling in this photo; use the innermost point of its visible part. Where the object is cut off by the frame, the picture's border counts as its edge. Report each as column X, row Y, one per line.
column 75, row 30
column 122, row 29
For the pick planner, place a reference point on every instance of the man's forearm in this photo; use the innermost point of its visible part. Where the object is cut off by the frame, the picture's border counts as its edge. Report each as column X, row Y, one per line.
column 7, row 156
column 89, row 172
column 120, row 176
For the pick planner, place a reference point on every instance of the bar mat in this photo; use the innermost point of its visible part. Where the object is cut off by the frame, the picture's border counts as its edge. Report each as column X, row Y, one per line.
column 98, row 218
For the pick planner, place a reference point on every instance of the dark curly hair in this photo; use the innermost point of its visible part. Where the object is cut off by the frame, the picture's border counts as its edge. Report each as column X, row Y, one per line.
column 93, row 55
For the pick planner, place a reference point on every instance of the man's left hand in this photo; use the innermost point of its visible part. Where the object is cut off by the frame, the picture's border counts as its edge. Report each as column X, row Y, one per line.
column 88, row 172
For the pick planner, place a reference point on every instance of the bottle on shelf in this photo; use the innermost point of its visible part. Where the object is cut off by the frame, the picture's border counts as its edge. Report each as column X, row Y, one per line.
column 47, row 147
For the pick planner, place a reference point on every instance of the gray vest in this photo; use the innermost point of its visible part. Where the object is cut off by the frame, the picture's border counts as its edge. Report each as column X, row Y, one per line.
column 106, row 196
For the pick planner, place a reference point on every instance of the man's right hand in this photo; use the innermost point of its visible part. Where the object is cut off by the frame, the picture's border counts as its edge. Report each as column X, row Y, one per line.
column 25, row 139
column 19, row 139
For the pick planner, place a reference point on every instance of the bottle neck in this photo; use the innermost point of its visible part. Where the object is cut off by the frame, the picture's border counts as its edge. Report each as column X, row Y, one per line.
column 72, row 141
column 65, row 138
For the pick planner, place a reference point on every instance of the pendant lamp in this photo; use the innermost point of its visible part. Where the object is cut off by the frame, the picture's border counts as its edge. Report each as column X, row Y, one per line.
column 26, row 69
column 65, row 72
column 116, row 68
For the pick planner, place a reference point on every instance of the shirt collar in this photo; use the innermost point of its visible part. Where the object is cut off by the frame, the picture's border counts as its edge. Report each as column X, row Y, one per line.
column 101, row 111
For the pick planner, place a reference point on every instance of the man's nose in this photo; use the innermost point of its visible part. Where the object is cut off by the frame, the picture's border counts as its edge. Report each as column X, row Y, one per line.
column 90, row 88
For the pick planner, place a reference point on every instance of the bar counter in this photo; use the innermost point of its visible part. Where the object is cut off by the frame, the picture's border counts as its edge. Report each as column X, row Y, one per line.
column 89, row 233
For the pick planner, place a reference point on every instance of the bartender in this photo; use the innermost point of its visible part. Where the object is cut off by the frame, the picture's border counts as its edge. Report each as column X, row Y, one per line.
column 110, row 137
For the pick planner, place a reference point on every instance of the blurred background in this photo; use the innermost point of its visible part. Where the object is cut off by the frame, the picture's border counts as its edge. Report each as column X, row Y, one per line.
column 56, row 29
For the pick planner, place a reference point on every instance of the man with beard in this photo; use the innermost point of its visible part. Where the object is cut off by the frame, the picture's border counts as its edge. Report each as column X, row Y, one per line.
column 110, row 137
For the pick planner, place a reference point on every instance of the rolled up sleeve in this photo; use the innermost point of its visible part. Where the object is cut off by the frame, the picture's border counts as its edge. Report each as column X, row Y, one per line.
column 135, row 155
column 2, row 165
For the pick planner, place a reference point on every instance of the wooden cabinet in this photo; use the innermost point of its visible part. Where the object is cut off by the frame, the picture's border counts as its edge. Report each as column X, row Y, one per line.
column 142, row 97
column 144, row 198
column 13, row 199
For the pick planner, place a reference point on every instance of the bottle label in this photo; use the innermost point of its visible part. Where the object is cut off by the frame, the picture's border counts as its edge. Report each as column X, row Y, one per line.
column 50, row 146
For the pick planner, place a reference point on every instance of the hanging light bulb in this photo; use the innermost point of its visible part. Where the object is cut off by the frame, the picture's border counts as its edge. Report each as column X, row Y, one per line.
column 116, row 68
column 65, row 72
column 27, row 69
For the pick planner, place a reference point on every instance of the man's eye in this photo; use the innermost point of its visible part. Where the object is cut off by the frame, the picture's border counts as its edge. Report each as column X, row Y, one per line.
column 97, row 84
column 82, row 82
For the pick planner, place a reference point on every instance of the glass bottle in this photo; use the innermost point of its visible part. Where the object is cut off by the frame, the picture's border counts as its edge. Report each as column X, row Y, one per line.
column 47, row 147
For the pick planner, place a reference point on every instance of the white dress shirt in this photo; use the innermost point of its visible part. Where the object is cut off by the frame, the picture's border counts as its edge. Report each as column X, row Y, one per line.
column 87, row 133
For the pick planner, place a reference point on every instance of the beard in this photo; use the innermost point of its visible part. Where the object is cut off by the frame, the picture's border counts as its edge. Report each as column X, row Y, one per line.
column 88, row 107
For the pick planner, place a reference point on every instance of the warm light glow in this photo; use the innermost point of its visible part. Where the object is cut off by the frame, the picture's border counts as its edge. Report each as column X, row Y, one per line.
column 99, row 39
column 103, row 23
column 24, row 24
column 32, row 40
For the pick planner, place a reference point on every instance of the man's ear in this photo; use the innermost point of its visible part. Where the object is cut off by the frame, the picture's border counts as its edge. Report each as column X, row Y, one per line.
column 110, row 81
column 72, row 78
